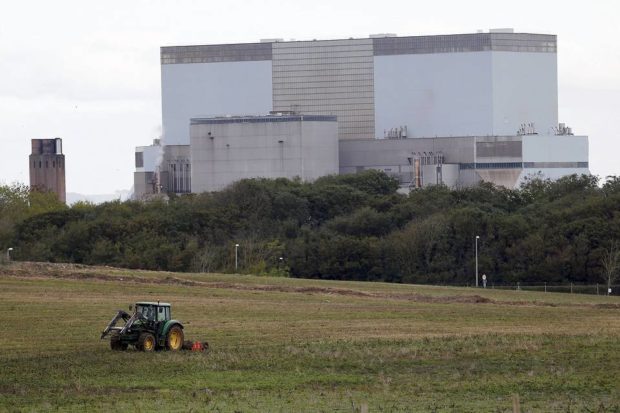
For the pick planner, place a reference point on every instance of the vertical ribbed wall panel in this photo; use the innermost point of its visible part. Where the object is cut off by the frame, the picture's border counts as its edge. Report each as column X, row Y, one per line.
column 333, row 77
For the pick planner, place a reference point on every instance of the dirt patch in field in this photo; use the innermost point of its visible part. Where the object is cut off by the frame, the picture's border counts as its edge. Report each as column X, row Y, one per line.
column 608, row 306
column 85, row 272
column 464, row 299
column 287, row 289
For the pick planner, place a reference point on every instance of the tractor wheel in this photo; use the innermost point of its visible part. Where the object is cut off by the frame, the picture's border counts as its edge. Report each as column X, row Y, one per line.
column 146, row 342
column 174, row 340
column 116, row 344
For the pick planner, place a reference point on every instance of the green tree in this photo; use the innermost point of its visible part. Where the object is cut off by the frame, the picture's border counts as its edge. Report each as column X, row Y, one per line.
column 18, row 203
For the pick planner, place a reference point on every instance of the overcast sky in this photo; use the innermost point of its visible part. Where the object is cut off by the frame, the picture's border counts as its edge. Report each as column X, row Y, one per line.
column 89, row 72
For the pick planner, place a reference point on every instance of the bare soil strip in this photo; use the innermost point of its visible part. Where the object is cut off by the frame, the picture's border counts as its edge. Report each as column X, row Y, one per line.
column 76, row 272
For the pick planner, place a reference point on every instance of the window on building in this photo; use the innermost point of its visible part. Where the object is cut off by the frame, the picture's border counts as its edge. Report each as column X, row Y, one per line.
column 139, row 159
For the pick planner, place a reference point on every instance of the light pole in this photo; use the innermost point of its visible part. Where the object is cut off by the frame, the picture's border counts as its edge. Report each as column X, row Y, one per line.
column 8, row 254
column 477, row 238
column 236, row 257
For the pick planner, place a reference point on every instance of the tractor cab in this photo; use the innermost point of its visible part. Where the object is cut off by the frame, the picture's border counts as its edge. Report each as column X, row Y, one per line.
column 154, row 312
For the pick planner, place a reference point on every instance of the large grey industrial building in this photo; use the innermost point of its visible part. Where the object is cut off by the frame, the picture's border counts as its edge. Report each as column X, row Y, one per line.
column 454, row 109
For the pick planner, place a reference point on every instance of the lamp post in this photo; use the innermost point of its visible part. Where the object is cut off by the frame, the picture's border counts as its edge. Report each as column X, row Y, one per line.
column 8, row 254
column 477, row 238
column 236, row 256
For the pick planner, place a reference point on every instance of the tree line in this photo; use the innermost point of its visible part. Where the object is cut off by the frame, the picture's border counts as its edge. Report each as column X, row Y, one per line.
column 347, row 227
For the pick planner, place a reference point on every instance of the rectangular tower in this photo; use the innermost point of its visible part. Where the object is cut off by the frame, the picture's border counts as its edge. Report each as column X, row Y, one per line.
column 47, row 167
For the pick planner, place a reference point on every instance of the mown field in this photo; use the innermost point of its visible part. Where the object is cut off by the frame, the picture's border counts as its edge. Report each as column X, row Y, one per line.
column 288, row 345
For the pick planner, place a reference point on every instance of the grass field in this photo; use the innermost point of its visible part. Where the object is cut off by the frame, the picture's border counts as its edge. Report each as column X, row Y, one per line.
column 293, row 345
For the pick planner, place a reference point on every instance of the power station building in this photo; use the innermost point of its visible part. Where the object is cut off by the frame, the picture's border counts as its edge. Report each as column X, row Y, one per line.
column 47, row 167
column 467, row 91
column 225, row 150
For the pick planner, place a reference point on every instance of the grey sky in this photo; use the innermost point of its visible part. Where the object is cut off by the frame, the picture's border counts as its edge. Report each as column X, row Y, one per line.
column 89, row 72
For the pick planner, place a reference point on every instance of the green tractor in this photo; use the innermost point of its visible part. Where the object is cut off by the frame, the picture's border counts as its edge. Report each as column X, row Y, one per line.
column 149, row 328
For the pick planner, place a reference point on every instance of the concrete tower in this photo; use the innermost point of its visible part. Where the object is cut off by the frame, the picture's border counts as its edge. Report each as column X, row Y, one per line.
column 47, row 166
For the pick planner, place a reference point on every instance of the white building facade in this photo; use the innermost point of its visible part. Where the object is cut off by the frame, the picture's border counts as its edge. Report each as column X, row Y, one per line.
column 449, row 85
column 394, row 98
